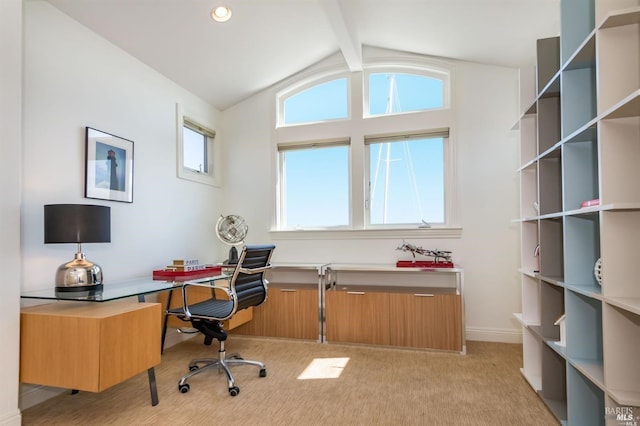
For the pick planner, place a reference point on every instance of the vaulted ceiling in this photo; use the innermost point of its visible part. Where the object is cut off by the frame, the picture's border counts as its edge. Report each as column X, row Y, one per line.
column 266, row 41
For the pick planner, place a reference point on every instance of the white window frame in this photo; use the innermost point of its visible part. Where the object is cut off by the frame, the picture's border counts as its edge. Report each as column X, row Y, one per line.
column 213, row 176
column 435, row 73
column 282, row 149
column 359, row 127
column 307, row 84
column 449, row 168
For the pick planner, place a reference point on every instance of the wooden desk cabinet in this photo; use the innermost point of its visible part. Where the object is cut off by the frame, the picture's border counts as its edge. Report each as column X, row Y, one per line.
column 357, row 317
column 426, row 320
column 88, row 346
column 402, row 317
column 291, row 311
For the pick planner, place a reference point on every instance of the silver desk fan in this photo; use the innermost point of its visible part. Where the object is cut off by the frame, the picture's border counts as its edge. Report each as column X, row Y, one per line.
column 232, row 230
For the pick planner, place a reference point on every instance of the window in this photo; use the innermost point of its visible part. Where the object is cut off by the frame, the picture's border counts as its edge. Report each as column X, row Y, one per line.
column 198, row 156
column 324, row 101
column 407, row 180
column 314, row 188
column 397, row 169
column 195, row 147
column 391, row 93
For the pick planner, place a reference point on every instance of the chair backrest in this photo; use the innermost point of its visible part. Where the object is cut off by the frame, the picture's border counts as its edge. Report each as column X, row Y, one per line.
column 247, row 285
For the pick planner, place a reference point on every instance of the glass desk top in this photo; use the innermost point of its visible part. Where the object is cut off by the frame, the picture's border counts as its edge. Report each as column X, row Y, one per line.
column 110, row 291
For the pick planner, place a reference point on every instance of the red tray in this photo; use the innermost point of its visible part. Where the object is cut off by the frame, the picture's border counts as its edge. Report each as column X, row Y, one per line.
column 167, row 274
column 423, row 264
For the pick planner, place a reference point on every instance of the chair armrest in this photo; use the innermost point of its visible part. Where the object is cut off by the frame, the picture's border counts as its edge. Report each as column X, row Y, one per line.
column 200, row 283
column 254, row 270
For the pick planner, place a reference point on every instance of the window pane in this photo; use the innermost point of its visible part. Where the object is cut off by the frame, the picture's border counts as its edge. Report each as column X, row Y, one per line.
column 194, row 146
column 391, row 93
column 315, row 187
column 406, row 181
column 326, row 101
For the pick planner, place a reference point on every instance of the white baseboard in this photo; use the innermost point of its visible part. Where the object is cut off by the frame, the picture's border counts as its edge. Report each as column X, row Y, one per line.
column 494, row 335
column 12, row 418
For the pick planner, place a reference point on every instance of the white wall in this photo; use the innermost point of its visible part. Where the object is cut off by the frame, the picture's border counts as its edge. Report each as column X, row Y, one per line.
column 72, row 79
column 10, row 170
column 486, row 102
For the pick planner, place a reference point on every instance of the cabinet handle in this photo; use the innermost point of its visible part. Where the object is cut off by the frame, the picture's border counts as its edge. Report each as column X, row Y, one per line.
column 423, row 295
column 291, row 290
column 355, row 292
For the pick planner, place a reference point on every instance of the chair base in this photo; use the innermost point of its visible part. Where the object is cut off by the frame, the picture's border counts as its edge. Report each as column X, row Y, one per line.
column 223, row 363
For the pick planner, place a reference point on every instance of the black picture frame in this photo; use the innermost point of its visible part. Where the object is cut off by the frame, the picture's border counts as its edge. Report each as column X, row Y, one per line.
column 108, row 167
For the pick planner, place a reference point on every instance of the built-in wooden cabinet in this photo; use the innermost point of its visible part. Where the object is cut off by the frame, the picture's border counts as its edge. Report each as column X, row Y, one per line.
column 422, row 319
column 357, row 315
column 580, row 141
column 291, row 311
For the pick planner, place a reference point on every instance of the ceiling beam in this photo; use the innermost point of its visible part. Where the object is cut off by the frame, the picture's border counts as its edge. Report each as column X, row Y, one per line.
column 345, row 33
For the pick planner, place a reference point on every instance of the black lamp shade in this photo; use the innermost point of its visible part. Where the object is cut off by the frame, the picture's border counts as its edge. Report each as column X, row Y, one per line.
column 77, row 223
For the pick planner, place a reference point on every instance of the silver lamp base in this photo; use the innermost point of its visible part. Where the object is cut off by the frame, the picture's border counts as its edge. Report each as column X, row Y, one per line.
column 78, row 275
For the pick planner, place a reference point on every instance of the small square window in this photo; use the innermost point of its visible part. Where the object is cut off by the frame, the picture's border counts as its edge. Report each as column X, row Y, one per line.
column 198, row 152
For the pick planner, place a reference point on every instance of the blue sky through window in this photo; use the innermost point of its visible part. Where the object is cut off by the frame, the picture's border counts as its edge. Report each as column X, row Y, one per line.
column 409, row 186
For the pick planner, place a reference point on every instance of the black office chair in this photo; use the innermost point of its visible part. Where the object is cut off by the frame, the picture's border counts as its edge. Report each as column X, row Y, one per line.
column 247, row 287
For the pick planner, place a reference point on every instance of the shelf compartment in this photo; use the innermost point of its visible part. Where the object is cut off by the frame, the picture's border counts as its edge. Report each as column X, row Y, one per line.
column 577, row 21
column 529, row 241
column 581, row 249
column 621, row 345
column 580, row 172
column 585, row 400
column 620, row 233
column 552, row 307
column 529, row 192
column 549, row 123
column 584, row 328
column 618, row 49
column 619, row 141
column 530, row 300
column 578, row 98
column 614, row 13
column 532, row 359
column 554, row 383
column 528, row 148
column 547, row 62
column 551, row 252
column 550, row 185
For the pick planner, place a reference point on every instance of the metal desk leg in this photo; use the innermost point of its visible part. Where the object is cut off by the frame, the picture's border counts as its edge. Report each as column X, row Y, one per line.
column 165, row 321
column 151, row 373
column 152, row 386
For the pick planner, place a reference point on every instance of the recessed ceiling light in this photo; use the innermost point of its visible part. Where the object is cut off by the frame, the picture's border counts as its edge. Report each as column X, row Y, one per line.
column 221, row 13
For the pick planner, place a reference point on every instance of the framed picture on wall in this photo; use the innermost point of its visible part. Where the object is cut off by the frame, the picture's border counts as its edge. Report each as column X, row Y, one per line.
column 108, row 167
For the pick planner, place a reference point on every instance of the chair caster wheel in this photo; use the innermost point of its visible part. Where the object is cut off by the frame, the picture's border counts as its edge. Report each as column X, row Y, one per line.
column 234, row 391
column 193, row 367
column 263, row 372
column 183, row 388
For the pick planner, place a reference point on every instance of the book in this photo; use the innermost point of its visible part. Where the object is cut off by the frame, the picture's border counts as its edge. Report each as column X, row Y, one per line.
column 185, row 262
column 590, row 203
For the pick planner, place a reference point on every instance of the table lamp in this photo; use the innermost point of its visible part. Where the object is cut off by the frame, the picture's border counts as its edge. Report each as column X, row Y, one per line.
column 77, row 223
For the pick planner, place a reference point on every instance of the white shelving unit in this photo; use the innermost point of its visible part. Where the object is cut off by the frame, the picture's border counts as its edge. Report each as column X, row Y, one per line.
column 580, row 141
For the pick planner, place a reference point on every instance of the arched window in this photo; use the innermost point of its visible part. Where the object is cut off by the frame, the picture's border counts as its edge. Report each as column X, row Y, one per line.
column 393, row 93
column 321, row 102
column 367, row 151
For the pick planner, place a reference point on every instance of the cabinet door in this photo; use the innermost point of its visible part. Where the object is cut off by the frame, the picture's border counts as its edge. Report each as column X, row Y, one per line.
column 357, row 317
column 290, row 312
column 426, row 321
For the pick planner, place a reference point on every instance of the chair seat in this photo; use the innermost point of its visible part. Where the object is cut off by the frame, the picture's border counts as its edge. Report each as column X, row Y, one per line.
column 221, row 309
